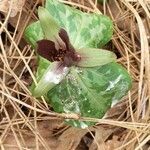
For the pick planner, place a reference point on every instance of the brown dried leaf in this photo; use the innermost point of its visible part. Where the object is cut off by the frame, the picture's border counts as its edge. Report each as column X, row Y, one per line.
column 14, row 5
column 124, row 22
column 71, row 138
column 44, row 129
column 4, row 5
column 117, row 110
column 109, row 145
column 113, row 144
column 101, row 135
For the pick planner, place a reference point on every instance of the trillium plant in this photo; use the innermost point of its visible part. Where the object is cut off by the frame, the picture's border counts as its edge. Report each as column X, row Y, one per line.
column 73, row 73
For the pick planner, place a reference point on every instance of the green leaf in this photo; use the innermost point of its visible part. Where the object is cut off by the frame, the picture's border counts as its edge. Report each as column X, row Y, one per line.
column 90, row 91
column 84, row 29
column 34, row 33
column 92, row 57
column 96, row 30
column 48, row 24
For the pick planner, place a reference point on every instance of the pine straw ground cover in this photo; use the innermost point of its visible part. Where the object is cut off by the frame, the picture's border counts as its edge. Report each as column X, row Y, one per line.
column 27, row 123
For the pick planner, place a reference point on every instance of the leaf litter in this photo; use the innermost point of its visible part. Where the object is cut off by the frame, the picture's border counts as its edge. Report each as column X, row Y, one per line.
column 14, row 6
column 31, row 131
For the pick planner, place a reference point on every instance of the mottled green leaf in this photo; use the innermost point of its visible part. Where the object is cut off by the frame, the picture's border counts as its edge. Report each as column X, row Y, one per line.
column 90, row 92
column 84, row 29
column 34, row 33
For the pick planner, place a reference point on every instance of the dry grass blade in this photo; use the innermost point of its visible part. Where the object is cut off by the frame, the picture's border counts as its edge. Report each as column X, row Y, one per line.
column 27, row 123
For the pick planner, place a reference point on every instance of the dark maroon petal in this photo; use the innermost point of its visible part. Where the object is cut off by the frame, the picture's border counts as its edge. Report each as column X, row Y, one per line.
column 47, row 49
column 67, row 54
column 64, row 36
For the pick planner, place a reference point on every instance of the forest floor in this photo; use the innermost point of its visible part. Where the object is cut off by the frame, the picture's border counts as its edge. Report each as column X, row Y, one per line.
column 27, row 124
